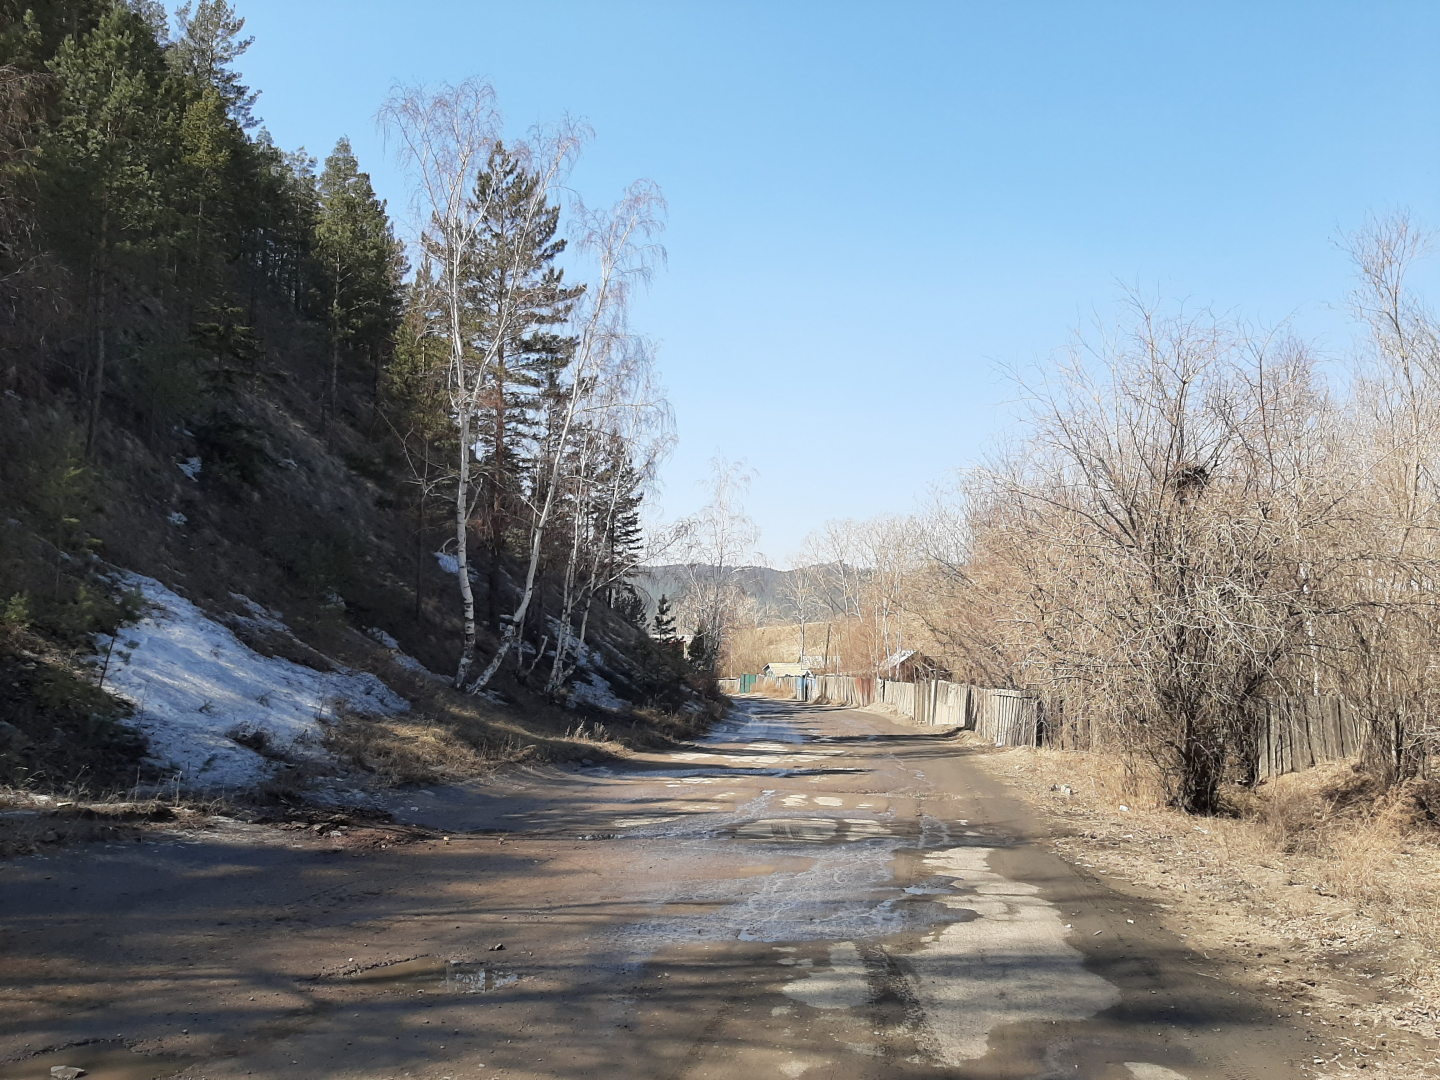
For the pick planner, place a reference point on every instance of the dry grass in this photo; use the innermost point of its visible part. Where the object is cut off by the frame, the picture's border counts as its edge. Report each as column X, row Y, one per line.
column 751, row 648
column 449, row 736
column 1322, row 894
column 397, row 751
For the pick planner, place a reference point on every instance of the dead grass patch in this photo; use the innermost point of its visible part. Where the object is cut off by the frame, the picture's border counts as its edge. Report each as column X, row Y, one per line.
column 449, row 736
column 398, row 752
column 1321, row 893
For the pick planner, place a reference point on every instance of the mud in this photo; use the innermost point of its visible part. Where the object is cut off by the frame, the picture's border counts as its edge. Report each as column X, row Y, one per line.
column 811, row 891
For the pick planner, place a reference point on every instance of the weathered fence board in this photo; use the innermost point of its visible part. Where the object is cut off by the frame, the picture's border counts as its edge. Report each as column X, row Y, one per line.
column 1300, row 733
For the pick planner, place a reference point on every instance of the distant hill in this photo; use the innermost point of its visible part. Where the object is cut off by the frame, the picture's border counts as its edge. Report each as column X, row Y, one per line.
column 764, row 585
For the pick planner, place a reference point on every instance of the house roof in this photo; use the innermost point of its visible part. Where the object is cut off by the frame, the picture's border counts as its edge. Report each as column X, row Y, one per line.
column 776, row 671
column 896, row 659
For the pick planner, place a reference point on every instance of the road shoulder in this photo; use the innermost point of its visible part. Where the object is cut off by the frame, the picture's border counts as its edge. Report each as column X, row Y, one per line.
column 1259, row 920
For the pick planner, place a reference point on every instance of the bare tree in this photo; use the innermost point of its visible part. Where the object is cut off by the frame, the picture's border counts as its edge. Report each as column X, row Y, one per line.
column 721, row 539
column 446, row 137
column 1143, row 554
column 802, row 593
column 1391, row 629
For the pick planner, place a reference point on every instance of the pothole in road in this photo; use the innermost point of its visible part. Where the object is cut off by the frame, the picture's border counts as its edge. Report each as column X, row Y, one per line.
column 816, row 830
column 431, row 972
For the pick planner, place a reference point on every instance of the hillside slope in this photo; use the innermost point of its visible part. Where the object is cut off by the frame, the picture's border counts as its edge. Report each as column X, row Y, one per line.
column 226, row 557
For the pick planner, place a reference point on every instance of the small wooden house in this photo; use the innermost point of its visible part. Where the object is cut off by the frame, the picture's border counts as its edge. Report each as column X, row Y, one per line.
column 911, row 666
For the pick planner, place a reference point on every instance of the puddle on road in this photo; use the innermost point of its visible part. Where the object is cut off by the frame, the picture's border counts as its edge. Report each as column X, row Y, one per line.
column 642, row 822
column 1143, row 1070
column 814, row 830
column 931, row 886
column 446, row 976
column 693, row 907
column 101, row 1061
column 792, row 830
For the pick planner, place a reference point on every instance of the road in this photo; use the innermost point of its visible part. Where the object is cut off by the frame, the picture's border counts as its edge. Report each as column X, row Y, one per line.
column 811, row 892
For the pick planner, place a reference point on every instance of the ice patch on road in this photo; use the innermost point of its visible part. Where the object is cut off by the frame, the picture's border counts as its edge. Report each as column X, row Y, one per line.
column 747, row 722
column 1010, row 965
column 843, row 985
column 194, row 683
column 1143, row 1070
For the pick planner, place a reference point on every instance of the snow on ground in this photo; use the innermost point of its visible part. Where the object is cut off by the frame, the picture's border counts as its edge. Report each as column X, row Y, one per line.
column 194, row 683
column 596, row 692
column 400, row 656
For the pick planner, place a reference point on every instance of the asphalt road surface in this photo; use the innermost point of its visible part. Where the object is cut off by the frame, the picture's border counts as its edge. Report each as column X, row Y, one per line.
column 811, row 892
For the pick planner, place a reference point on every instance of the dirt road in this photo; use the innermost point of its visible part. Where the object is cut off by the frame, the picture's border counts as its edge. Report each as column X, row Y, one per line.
column 811, row 892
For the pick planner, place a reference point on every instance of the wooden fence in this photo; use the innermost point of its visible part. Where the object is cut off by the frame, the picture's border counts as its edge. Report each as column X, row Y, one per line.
column 1006, row 717
column 1294, row 734
column 1300, row 733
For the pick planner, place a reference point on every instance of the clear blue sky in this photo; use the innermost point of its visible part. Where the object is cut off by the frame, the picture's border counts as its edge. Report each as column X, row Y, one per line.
column 874, row 206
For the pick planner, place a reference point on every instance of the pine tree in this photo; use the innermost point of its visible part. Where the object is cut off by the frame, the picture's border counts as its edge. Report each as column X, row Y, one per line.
column 517, row 296
column 663, row 626
column 702, row 651
column 210, row 143
column 103, row 164
column 359, row 261
column 208, row 44
column 277, row 208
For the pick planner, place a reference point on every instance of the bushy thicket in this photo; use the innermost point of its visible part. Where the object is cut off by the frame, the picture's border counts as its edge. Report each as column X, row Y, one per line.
column 1193, row 521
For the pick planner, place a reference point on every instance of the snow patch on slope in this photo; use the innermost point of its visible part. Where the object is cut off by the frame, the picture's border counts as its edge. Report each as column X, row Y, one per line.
column 400, row 656
column 596, row 691
column 194, row 683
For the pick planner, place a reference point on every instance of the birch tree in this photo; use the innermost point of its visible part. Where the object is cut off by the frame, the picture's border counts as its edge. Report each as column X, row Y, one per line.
column 722, row 538
column 801, row 593
column 623, row 245
column 627, row 435
column 446, row 138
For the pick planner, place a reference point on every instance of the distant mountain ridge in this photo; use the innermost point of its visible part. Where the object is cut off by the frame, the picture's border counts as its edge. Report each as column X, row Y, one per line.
column 765, row 586
column 762, row 584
